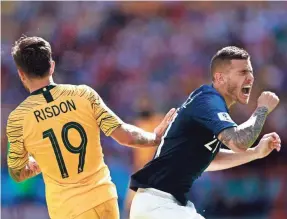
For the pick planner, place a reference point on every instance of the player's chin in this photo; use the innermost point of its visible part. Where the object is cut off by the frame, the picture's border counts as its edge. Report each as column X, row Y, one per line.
column 243, row 99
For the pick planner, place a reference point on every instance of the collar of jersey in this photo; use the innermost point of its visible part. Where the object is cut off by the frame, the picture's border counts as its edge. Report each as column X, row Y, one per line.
column 42, row 89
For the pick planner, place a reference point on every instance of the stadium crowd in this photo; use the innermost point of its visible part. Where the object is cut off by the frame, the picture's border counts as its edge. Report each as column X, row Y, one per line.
column 155, row 52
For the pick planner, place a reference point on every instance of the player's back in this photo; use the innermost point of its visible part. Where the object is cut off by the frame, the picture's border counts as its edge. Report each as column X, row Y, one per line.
column 61, row 130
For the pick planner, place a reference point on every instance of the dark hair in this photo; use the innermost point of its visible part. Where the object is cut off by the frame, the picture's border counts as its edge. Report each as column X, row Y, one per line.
column 225, row 55
column 33, row 56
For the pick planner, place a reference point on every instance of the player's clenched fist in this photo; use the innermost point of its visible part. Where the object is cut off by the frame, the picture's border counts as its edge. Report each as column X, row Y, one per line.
column 268, row 99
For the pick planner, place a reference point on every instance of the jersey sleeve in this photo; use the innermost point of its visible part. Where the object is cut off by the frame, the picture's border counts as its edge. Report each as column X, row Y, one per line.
column 211, row 112
column 107, row 120
column 17, row 154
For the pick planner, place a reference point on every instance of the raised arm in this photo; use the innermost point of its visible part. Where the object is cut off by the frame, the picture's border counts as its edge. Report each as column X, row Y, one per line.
column 226, row 159
column 242, row 137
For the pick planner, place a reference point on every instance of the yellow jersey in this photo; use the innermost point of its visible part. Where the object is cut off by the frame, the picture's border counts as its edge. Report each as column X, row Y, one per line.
column 59, row 125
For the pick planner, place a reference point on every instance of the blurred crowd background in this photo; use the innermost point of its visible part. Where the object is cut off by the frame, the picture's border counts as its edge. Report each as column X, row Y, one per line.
column 144, row 58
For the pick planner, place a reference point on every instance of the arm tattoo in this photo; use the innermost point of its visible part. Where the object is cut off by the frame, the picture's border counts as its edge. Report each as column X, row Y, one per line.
column 246, row 134
column 141, row 137
column 144, row 138
column 22, row 174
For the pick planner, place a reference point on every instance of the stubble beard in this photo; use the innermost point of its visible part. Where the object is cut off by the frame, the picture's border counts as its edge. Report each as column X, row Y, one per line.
column 232, row 90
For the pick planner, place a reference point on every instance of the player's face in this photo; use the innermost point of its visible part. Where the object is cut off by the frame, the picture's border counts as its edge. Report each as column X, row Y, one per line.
column 240, row 81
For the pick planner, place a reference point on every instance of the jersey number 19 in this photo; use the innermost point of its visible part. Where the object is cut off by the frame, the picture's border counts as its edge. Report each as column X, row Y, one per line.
column 81, row 149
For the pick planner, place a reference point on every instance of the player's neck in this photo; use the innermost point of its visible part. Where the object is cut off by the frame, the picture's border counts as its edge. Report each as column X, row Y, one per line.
column 229, row 102
column 38, row 84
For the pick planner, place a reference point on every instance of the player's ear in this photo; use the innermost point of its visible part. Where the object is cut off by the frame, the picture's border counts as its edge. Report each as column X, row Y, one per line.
column 52, row 67
column 21, row 75
column 219, row 77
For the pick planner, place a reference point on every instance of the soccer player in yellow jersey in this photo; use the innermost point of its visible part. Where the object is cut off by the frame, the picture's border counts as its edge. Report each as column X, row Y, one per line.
column 56, row 131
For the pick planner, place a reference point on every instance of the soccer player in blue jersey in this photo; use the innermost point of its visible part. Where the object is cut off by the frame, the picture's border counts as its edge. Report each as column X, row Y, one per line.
column 192, row 142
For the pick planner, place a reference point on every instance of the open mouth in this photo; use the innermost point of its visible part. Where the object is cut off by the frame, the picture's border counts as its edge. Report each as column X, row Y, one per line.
column 246, row 89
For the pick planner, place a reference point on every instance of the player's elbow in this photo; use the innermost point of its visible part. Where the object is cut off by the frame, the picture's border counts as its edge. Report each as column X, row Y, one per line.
column 231, row 138
column 237, row 148
column 240, row 150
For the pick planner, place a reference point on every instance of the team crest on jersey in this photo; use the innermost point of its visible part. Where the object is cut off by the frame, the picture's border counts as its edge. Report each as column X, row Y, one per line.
column 224, row 117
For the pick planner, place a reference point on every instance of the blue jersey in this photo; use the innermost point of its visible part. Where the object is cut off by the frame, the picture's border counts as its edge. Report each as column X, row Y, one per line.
column 188, row 146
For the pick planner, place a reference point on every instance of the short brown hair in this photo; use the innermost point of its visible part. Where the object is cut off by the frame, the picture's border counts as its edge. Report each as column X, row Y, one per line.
column 225, row 55
column 32, row 55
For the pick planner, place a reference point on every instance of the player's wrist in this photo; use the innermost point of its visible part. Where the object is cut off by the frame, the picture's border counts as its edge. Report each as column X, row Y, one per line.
column 156, row 139
column 263, row 108
column 258, row 153
column 254, row 153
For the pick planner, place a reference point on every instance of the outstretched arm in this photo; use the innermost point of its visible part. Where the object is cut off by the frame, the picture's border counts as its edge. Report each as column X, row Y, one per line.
column 130, row 135
column 124, row 133
column 226, row 159
column 133, row 136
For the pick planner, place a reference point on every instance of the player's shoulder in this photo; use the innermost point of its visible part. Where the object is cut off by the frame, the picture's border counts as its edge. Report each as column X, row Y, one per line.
column 204, row 98
column 23, row 109
column 207, row 92
column 69, row 87
column 208, row 89
column 83, row 90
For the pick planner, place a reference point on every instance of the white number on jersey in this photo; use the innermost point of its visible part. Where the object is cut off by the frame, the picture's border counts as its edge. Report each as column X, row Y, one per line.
column 210, row 145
